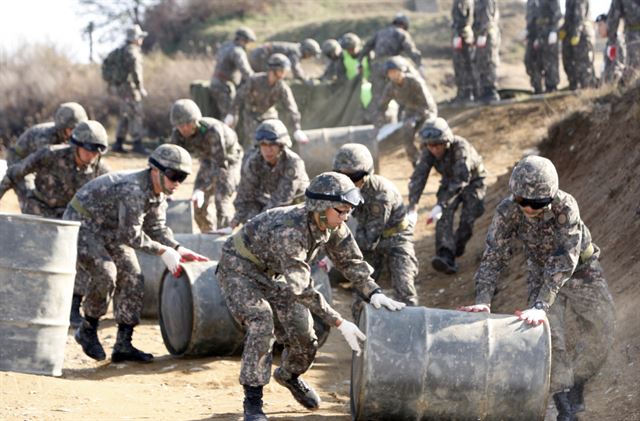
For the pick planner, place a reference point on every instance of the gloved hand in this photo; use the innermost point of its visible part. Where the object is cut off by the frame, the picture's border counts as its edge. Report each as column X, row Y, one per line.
column 377, row 300
column 230, row 120
column 536, row 44
column 574, row 40
column 198, row 198
column 532, row 316
column 143, row 92
column 188, row 255
column 351, row 334
column 612, row 52
column 476, row 308
column 171, row 259
column 325, row 264
column 300, row 137
column 412, row 217
column 435, row 214
column 553, row 38
column 481, row 42
column 457, row 43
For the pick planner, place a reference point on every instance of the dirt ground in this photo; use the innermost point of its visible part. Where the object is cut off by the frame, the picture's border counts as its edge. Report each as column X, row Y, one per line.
column 597, row 154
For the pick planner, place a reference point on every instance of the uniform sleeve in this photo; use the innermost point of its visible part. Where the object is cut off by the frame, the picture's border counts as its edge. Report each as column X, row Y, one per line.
column 211, row 162
column 296, row 67
column 241, row 96
column 29, row 165
column 367, row 48
column 531, row 18
column 131, row 217
column 241, row 62
column 155, row 225
column 369, row 231
column 289, row 185
column 245, row 203
column 410, row 49
column 461, row 176
column 387, row 96
column 419, row 178
column 613, row 20
column 430, row 108
column 136, row 71
column 288, row 102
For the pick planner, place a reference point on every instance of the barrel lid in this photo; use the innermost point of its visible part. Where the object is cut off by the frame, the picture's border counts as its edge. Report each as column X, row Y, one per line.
column 176, row 312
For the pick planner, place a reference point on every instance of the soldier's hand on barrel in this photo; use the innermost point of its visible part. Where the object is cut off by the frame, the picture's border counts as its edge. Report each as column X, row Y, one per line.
column 351, row 334
column 171, row 259
column 187, row 255
column 476, row 308
column 198, row 198
column 532, row 316
column 378, row 300
column 230, row 120
column 300, row 137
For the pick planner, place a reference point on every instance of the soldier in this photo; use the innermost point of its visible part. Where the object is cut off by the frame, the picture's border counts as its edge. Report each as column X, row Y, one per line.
column 384, row 233
column 614, row 55
column 259, row 95
column 410, row 91
column 462, row 183
column 486, row 18
column 56, row 132
column 629, row 10
column 232, row 68
column 220, row 163
column 351, row 45
column 391, row 41
column 577, row 45
column 335, row 70
column 547, row 21
column 463, row 49
column 532, row 54
column 264, row 274
column 272, row 174
column 126, row 82
column 563, row 271
column 122, row 212
column 295, row 52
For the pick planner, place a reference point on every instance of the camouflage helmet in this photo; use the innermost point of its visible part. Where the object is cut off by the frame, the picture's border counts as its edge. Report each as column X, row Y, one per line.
column 90, row 135
column 353, row 158
column 436, row 132
column 246, row 33
column 534, row 178
column 401, row 20
column 310, row 47
column 170, row 156
column 68, row 115
column 331, row 189
column 278, row 61
column 135, row 33
column 273, row 131
column 350, row 41
column 396, row 62
column 331, row 48
column 184, row 111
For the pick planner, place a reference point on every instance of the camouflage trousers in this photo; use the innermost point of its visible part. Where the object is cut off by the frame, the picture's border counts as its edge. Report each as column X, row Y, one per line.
column 587, row 297
column 486, row 61
column 223, row 94
column 218, row 210
column 131, row 114
column 412, row 124
column 472, row 200
column 542, row 64
column 578, row 62
column 254, row 301
column 100, row 265
column 632, row 69
column 463, row 70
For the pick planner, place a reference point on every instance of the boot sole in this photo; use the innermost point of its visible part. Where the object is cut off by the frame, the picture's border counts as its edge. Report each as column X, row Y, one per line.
column 120, row 359
column 441, row 266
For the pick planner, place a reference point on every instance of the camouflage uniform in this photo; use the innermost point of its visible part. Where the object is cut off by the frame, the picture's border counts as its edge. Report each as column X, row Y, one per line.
column 462, row 16
column 578, row 59
column 219, row 173
column 232, row 68
column 335, row 70
column 258, row 100
column 462, row 183
column 264, row 187
column 259, row 56
column 130, row 95
column 629, row 10
column 120, row 213
column 614, row 70
column 541, row 58
column 486, row 18
column 264, row 272
column 563, row 271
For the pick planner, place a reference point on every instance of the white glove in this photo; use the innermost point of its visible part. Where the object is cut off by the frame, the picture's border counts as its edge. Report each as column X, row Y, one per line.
column 351, row 334
column 198, row 198
column 553, row 38
column 378, row 300
column 143, row 92
column 457, row 43
column 533, row 316
column 412, row 217
column 229, row 120
column 435, row 215
column 300, row 137
column 171, row 259
column 476, row 308
column 481, row 42
column 325, row 264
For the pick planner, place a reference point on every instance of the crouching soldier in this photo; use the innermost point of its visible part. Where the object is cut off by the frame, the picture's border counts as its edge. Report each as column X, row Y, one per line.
column 122, row 212
column 264, row 274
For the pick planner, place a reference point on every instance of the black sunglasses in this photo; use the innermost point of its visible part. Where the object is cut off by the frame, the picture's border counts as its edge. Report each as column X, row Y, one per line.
column 343, row 212
column 176, row 176
column 356, row 176
column 92, row 147
column 533, row 203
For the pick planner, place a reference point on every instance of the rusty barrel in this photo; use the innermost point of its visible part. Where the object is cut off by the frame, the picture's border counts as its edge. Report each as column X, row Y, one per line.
column 180, row 216
column 422, row 363
column 323, row 144
column 195, row 320
column 37, row 272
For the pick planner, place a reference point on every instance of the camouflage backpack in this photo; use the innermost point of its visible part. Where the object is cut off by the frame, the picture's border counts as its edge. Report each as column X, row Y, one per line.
column 114, row 68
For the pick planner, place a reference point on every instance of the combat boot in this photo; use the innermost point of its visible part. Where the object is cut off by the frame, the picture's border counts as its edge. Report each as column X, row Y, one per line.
column 139, row 148
column 87, row 337
column 75, row 319
column 300, row 390
column 253, row 404
column 489, row 95
column 551, row 88
column 119, row 146
column 124, row 351
column 576, row 397
column 444, row 262
column 565, row 412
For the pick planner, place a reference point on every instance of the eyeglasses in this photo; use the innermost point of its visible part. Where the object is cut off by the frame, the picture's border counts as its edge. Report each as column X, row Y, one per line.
column 431, row 133
column 176, row 176
column 352, row 197
column 92, row 147
column 355, row 176
column 266, row 135
column 343, row 212
column 533, row 203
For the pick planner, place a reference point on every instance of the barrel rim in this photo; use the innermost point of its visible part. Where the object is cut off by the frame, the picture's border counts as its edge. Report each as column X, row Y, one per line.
column 39, row 219
column 165, row 338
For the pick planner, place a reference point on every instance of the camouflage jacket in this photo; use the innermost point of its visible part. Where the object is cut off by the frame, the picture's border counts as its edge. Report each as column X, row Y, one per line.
column 38, row 136
column 335, row 70
column 547, row 17
column 264, row 187
column 57, row 175
column 413, row 95
column 123, row 209
column 216, row 144
column 258, row 98
column 486, row 17
column 460, row 166
column 531, row 16
column 285, row 240
column 132, row 62
column 382, row 213
column 260, row 55
column 462, row 13
column 391, row 41
column 552, row 244
column 629, row 10
column 576, row 18
column 232, row 64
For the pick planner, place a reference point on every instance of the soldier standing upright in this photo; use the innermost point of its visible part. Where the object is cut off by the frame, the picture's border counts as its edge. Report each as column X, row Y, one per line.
column 578, row 39
column 629, row 10
column 462, row 183
column 541, row 57
column 613, row 55
column 352, row 45
column 122, row 70
column 264, row 275
column 272, row 174
column 486, row 18
column 295, row 52
column 232, row 68
column 563, row 271
column 463, row 49
column 335, row 70
column 220, row 163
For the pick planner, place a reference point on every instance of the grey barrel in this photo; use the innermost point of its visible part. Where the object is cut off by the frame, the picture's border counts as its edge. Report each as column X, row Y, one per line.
column 180, row 216
column 195, row 320
column 37, row 272
column 422, row 363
